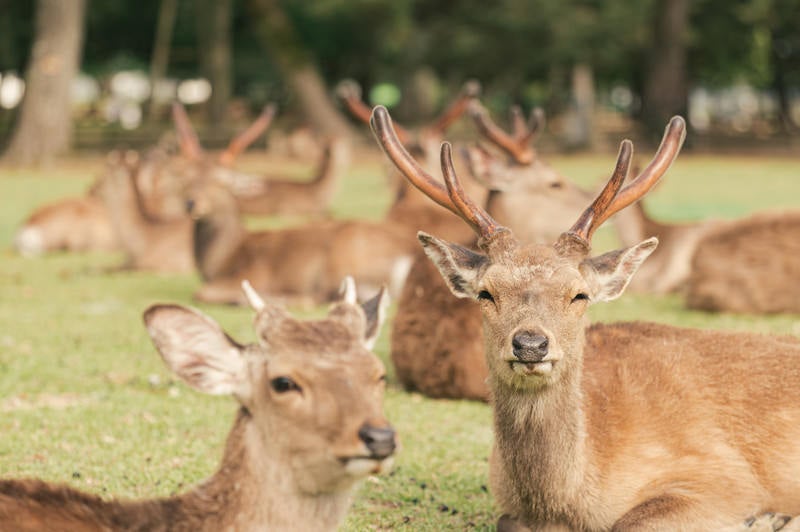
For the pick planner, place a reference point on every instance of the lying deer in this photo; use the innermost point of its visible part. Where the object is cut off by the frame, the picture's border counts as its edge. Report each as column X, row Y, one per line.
column 436, row 340
column 286, row 466
column 300, row 264
column 83, row 224
column 629, row 426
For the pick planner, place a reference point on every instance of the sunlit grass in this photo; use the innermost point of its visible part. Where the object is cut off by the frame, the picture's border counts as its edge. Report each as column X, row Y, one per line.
column 86, row 400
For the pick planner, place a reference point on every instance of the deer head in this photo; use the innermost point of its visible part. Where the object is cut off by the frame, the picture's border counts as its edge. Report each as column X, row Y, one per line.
column 312, row 390
column 533, row 298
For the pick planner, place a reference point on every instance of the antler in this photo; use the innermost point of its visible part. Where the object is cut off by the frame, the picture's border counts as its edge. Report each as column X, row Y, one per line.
column 612, row 200
column 518, row 146
column 350, row 93
column 187, row 138
column 249, row 135
column 470, row 91
column 453, row 198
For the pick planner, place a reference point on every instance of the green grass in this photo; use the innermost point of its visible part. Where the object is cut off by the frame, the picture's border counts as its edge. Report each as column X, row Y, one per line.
column 85, row 399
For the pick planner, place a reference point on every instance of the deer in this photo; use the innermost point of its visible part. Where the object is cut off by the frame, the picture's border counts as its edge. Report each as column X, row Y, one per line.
column 627, row 426
column 436, row 341
column 309, row 427
column 82, row 224
column 300, row 264
column 762, row 261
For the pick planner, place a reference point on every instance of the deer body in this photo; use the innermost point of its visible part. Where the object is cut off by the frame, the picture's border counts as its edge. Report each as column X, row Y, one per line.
column 309, row 428
column 312, row 198
column 624, row 427
column 298, row 263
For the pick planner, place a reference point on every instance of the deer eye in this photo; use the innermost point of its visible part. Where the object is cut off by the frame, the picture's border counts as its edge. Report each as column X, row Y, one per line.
column 284, row 384
column 484, row 294
column 556, row 184
column 580, row 296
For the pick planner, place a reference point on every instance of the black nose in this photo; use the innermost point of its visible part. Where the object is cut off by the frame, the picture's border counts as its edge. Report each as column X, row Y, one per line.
column 189, row 205
column 379, row 440
column 529, row 347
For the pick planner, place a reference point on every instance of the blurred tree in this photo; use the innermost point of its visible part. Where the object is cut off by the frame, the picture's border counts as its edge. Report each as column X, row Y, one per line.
column 665, row 92
column 159, row 59
column 296, row 63
column 44, row 124
column 214, row 19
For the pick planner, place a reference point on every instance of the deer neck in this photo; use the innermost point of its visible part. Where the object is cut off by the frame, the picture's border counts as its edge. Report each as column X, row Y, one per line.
column 124, row 205
column 253, row 489
column 541, row 445
column 217, row 236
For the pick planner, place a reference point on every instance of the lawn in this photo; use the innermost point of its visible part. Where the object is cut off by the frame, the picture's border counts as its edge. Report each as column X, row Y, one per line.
column 86, row 400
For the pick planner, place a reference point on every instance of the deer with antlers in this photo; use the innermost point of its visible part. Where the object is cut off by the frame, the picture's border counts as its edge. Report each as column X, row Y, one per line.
column 436, row 340
column 629, row 426
column 83, row 223
column 309, row 427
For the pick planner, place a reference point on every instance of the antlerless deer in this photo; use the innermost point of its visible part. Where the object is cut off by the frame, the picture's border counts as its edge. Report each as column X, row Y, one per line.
column 310, row 426
column 630, row 426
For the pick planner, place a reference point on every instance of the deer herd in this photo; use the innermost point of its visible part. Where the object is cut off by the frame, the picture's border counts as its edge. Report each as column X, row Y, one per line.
column 623, row 426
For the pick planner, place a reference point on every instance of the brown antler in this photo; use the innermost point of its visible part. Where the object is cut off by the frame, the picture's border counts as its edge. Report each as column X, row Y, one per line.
column 517, row 146
column 526, row 132
column 612, row 200
column 453, row 197
column 350, row 93
column 187, row 138
column 470, row 91
column 241, row 141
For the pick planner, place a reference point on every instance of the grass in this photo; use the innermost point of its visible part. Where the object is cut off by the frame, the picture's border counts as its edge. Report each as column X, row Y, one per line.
column 85, row 399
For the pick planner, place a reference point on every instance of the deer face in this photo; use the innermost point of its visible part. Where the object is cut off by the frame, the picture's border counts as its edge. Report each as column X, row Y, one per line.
column 533, row 299
column 313, row 391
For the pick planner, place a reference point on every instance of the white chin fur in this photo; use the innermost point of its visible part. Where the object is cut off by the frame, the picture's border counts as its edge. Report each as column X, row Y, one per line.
column 541, row 369
column 362, row 467
column 29, row 242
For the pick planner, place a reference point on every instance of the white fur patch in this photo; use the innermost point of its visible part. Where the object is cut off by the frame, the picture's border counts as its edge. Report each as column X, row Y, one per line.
column 29, row 241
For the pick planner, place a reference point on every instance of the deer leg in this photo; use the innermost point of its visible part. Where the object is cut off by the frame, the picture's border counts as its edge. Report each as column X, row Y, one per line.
column 225, row 291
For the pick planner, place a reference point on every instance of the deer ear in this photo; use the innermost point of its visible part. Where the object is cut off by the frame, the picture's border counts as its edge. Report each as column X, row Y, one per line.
column 197, row 350
column 460, row 267
column 610, row 273
column 486, row 169
column 375, row 312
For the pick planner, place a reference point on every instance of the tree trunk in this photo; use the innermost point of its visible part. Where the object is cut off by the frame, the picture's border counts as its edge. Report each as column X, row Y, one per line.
column 665, row 85
column 276, row 33
column 44, row 126
column 159, row 60
column 214, row 44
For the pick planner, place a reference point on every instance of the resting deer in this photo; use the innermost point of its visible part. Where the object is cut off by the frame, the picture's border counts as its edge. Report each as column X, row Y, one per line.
column 310, row 426
column 82, row 223
column 629, row 426
column 301, row 264
column 436, row 340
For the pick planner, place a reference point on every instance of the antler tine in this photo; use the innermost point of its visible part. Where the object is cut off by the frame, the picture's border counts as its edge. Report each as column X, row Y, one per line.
column 244, row 139
column 521, row 153
column 594, row 215
column 470, row 91
column 480, row 221
column 187, row 137
column 534, row 126
column 386, row 136
column 350, row 93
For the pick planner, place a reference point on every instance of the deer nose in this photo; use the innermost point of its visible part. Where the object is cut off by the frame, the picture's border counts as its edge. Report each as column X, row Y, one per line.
column 379, row 440
column 529, row 347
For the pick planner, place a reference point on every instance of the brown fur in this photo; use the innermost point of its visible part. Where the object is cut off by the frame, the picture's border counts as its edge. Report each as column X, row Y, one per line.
column 749, row 265
column 436, row 342
column 265, row 480
column 312, row 198
column 298, row 263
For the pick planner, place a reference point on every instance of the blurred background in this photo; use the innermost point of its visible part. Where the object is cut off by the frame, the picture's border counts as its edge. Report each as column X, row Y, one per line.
column 91, row 75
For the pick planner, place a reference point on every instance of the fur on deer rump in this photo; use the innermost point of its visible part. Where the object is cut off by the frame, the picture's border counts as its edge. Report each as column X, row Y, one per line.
column 310, row 426
column 750, row 265
column 644, row 427
column 437, row 341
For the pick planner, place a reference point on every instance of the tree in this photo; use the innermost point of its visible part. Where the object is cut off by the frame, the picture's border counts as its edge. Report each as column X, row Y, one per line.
column 214, row 48
column 296, row 64
column 44, row 126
